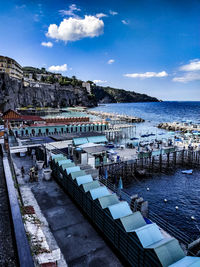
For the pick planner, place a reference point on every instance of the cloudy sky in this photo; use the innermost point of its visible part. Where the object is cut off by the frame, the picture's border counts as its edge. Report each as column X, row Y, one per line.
column 149, row 46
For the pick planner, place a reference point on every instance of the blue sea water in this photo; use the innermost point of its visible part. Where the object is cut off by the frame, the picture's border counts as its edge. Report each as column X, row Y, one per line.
column 157, row 112
column 180, row 190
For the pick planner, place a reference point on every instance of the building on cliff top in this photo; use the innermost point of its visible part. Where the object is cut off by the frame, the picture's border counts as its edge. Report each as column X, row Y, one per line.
column 10, row 66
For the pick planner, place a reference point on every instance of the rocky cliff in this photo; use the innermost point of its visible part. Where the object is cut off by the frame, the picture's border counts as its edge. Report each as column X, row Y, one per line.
column 14, row 94
column 113, row 95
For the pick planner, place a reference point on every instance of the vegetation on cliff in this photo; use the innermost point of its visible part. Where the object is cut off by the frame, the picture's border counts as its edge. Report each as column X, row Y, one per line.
column 113, row 95
column 100, row 93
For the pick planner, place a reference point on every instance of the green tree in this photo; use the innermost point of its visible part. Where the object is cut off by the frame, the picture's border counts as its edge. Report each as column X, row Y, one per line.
column 43, row 70
column 34, row 76
column 43, row 79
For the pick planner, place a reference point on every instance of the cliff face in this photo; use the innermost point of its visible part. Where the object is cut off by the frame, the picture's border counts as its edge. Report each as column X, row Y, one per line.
column 13, row 94
column 112, row 95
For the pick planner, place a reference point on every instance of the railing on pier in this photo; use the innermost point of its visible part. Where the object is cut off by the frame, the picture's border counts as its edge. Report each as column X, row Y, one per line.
column 151, row 163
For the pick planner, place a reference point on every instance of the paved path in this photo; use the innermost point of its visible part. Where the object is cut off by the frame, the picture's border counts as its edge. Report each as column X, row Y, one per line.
column 79, row 242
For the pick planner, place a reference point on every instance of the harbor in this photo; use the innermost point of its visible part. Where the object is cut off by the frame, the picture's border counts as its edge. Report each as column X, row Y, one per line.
column 110, row 155
column 100, row 134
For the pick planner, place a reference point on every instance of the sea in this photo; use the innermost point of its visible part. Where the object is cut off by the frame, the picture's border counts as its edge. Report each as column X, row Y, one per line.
column 179, row 190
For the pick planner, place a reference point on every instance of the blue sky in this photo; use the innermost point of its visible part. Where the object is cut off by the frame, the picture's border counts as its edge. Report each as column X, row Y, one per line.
column 147, row 46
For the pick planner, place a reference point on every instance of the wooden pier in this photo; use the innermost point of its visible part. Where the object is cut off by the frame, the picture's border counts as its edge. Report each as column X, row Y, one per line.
column 149, row 164
column 117, row 132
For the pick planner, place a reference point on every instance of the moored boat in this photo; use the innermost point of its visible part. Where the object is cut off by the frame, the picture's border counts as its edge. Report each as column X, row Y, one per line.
column 187, row 172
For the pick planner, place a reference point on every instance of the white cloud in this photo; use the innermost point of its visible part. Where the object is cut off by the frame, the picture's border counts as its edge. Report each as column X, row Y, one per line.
column 111, row 61
column 113, row 13
column 188, row 77
column 74, row 29
column 192, row 72
column 58, row 68
column 70, row 11
column 39, row 13
column 99, row 81
column 101, row 15
column 20, row 7
column 125, row 22
column 47, row 44
column 147, row 75
column 194, row 65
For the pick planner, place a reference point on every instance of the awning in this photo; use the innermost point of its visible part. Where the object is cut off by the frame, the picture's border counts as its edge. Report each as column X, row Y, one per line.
column 80, row 141
column 97, row 139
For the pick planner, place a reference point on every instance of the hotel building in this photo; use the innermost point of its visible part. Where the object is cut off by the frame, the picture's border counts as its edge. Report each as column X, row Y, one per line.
column 10, row 66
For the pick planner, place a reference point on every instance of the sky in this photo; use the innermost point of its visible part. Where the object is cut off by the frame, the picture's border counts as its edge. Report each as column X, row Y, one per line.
column 146, row 46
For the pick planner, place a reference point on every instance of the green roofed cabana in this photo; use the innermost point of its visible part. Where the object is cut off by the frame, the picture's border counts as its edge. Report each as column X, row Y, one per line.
column 60, row 158
column 64, row 161
column 167, row 251
column 72, row 169
column 80, row 141
column 132, row 221
column 97, row 139
column 187, row 262
column 54, row 156
column 83, row 179
column 107, row 201
column 68, row 165
column 148, row 234
column 77, row 174
column 99, row 192
column 120, row 210
column 89, row 186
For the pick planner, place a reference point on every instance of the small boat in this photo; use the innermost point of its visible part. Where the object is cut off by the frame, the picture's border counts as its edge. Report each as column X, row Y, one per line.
column 144, row 135
column 134, row 138
column 110, row 145
column 187, row 172
column 140, row 173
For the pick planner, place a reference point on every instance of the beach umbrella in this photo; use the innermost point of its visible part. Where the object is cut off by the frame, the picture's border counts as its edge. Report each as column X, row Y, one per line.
column 106, row 174
column 120, row 185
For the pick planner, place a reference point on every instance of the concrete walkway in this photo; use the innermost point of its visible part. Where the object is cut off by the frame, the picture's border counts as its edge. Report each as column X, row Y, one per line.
column 79, row 242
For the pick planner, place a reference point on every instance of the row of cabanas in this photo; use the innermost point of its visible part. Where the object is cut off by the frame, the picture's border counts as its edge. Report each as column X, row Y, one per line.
column 53, row 129
column 140, row 244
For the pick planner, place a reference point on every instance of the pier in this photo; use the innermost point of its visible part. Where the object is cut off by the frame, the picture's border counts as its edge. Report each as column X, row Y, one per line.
column 115, row 116
column 178, row 126
column 147, row 163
